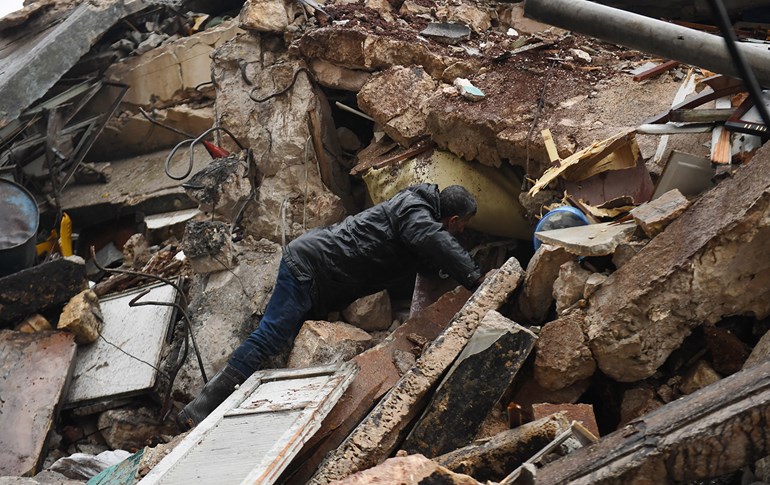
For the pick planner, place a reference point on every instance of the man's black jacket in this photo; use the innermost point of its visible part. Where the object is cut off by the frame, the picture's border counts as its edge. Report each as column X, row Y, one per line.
column 377, row 248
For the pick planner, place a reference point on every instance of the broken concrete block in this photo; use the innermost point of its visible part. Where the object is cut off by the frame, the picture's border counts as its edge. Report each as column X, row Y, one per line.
column 469, row 14
column 494, row 458
column 570, row 285
column 582, row 413
column 326, row 343
column 221, row 187
column 409, row 90
column 538, row 288
column 336, row 77
column 710, row 433
column 131, row 428
column 266, row 15
column 408, row 470
column 638, row 402
column 563, row 357
column 127, row 135
column 698, row 376
column 379, row 433
column 591, row 240
column 34, row 323
column 372, row 312
column 626, row 251
column 42, row 362
column 655, row 215
column 82, row 317
column 728, row 352
column 379, row 371
column 712, row 261
column 497, row 350
column 170, row 74
column 41, row 287
column 209, row 246
column 594, row 281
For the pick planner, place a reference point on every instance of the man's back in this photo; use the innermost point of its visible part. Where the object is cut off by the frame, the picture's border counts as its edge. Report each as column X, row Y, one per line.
column 376, row 248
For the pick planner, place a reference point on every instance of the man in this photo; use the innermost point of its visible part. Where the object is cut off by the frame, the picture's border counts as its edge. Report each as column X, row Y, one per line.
column 327, row 269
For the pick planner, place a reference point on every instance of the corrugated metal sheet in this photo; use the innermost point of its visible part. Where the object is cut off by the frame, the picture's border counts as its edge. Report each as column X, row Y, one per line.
column 120, row 362
column 255, row 433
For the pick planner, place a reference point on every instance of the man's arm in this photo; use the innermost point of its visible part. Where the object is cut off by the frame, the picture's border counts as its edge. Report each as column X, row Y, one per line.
column 425, row 236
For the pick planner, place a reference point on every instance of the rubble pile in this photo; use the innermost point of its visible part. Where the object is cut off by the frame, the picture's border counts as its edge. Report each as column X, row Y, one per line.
column 163, row 153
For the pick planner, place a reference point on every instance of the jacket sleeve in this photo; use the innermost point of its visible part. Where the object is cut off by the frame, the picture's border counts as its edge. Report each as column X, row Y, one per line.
column 426, row 237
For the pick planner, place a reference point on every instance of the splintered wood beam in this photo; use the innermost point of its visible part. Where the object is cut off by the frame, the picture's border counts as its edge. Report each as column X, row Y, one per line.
column 712, row 432
column 656, row 71
column 550, row 146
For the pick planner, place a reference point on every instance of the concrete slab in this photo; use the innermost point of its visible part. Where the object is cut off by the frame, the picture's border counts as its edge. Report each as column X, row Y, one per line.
column 124, row 359
column 30, row 71
column 34, row 373
column 591, row 240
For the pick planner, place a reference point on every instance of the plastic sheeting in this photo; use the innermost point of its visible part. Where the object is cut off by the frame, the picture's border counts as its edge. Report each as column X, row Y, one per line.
column 496, row 189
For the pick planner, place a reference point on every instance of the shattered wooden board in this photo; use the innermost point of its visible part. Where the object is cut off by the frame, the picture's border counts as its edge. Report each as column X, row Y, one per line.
column 255, row 433
column 34, row 374
column 123, row 360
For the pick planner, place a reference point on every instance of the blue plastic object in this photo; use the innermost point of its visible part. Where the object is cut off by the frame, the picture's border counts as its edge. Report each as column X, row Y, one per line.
column 559, row 218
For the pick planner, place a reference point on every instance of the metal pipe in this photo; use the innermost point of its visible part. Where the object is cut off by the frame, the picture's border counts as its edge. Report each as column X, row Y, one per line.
column 649, row 35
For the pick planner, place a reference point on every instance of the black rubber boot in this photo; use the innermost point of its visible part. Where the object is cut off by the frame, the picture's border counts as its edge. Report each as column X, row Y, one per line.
column 216, row 390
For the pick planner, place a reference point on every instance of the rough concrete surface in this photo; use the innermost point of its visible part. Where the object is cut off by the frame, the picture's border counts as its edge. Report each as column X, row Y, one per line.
column 327, row 343
column 712, row 261
column 563, row 357
column 537, row 292
column 222, row 309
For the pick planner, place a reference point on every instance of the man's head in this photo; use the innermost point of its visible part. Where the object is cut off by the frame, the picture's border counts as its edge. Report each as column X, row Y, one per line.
column 458, row 206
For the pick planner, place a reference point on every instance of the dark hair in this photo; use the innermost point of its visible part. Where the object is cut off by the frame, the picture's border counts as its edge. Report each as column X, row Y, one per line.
column 455, row 200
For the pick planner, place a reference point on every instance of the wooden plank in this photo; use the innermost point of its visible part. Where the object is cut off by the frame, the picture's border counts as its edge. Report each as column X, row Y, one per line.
column 380, row 432
column 712, row 432
column 285, row 406
column 35, row 370
column 657, row 70
column 550, row 145
column 494, row 458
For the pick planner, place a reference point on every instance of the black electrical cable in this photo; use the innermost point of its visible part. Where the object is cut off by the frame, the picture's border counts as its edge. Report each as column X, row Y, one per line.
column 192, row 143
column 744, row 69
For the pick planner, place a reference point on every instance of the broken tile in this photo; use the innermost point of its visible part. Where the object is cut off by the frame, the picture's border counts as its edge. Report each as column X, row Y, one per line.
column 104, row 371
column 327, row 343
column 35, row 370
column 41, row 287
column 447, row 32
column 82, row 317
column 563, row 357
column 372, row 312
column 654, row 216
column 582, row 413
column 591, row 240
column 497, row 350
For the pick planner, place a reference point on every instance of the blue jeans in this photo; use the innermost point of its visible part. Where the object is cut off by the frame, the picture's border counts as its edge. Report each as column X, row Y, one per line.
column 286, row 311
